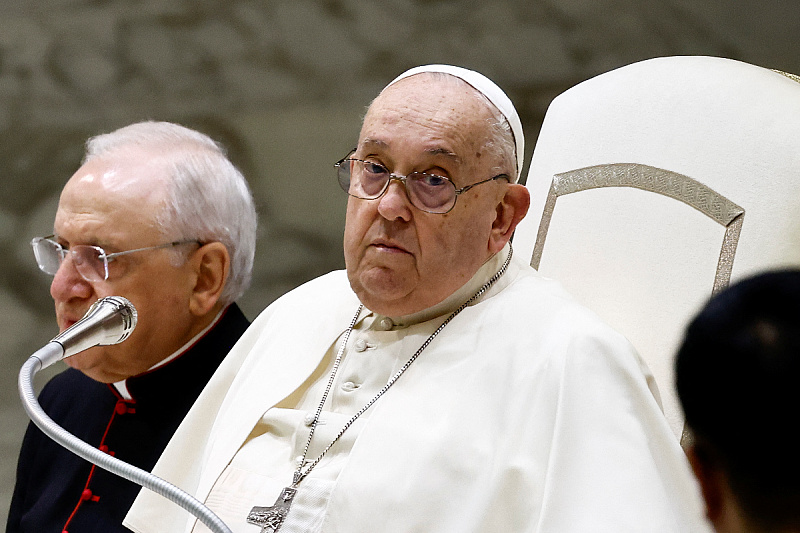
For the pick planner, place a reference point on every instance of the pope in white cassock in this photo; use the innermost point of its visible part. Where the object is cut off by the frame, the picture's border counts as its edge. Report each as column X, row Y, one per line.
column 439, row 384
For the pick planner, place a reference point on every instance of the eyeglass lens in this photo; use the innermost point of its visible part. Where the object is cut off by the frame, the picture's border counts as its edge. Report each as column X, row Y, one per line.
column 47, row 255
column 367, row 180
column 89, row 261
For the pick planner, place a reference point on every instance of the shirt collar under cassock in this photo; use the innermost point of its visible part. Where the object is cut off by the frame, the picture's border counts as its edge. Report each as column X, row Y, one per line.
column 452, row 302
column 122, row 386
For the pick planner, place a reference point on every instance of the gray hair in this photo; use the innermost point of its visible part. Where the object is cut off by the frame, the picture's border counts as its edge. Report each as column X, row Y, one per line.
column 207, row 197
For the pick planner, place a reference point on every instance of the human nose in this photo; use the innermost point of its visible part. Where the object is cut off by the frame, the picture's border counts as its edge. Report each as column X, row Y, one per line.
column 68, row 283
column 394, row 204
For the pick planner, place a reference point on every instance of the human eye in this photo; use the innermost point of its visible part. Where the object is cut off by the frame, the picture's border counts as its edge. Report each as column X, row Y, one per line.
column 371, row 168
column 50, row 247
column 371, row 179
column 430, row 191
column 57, row 246
column 433, row 181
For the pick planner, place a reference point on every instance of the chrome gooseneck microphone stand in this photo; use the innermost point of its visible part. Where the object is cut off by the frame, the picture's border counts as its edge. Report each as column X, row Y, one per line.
column 109, row 321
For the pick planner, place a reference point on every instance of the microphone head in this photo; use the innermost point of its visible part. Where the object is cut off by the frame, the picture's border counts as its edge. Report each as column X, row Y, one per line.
column 122, row 316
column 109, row 320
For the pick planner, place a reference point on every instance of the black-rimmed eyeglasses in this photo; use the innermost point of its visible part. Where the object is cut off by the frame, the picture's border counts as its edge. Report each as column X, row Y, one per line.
column 428, row 192
column 91, row 262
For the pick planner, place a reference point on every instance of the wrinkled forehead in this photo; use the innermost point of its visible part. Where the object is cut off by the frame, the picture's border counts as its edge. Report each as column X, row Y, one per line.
column 440, row 113
column 439, row 87
column 495, row 98
column 432, row 94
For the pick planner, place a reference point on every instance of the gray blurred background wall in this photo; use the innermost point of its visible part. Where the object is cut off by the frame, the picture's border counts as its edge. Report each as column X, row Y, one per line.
column 283, row 85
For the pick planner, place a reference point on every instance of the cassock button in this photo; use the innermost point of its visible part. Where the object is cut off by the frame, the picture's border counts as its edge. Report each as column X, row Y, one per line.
column 349, row 386
column 309, row 420
column 386, row 323
column 86, row 495
column 360, row 345
column 124, row 409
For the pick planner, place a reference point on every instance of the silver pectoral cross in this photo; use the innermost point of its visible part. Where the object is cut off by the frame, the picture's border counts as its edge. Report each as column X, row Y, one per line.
column 271, row 518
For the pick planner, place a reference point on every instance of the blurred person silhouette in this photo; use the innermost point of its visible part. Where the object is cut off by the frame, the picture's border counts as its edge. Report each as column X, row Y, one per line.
column 159, row 215
column 438, row 384
column 736, row 374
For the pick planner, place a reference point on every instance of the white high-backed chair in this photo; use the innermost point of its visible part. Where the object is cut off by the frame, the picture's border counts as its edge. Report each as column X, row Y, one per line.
column 659, row 182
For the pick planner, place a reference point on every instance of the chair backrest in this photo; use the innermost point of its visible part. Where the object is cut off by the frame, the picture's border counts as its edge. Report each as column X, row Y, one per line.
column 655, row 184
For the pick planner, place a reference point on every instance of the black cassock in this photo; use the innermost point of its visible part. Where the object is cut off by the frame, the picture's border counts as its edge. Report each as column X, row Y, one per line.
column 56, row 490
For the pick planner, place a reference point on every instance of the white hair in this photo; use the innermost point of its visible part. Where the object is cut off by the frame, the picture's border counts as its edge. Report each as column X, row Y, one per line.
column 207, row 197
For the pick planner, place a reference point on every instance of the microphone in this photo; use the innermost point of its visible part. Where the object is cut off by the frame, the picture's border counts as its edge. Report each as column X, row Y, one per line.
column 109, row 320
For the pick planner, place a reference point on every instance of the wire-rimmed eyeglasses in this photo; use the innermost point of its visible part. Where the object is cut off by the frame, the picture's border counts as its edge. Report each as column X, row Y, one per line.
column 91, row 262
column 428, row 192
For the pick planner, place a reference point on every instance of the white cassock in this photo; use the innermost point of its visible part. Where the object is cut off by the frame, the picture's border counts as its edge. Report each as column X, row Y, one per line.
column 525, row 414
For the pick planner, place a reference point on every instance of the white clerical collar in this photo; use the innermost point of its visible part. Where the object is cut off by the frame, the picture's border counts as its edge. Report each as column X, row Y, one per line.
column 452, row 302
column 122, row 386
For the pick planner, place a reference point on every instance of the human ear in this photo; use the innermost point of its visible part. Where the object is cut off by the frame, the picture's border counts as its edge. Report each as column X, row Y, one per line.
column 211, row 265
column 711, row 480
column 510, row 210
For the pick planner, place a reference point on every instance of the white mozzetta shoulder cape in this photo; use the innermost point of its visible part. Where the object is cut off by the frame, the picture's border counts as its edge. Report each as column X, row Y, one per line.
column 526, row 414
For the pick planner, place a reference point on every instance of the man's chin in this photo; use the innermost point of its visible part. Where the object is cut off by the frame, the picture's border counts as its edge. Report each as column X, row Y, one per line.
column 79, row 363
column 89, row 364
